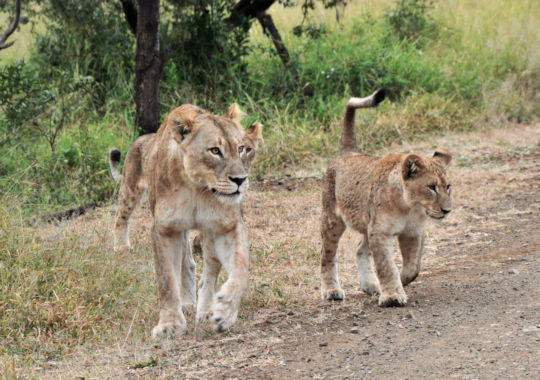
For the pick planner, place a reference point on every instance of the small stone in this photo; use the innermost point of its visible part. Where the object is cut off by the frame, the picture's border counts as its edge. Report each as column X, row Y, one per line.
column 355, row 323
column 290, row 313
column 354, row 314
column 323, row 344
column 389, row 323
column 410, row 315
column 513, row 271
column 354, row 330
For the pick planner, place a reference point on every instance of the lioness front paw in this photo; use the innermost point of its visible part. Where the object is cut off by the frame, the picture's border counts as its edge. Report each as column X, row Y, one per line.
column 203, row 317
column 168, row 330
column 393, row 300
column 225, row 312
column 335, row 294
column 371, row 289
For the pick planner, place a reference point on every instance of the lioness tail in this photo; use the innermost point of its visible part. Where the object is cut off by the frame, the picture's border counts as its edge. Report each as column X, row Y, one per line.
column 348, row 137
column 114, row 160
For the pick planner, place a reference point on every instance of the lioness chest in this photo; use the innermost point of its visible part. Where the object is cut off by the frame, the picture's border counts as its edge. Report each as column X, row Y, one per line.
column 186, row 209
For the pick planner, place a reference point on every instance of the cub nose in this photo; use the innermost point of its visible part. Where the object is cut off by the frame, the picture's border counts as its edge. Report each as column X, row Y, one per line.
column 445, row 211
column 238, row 180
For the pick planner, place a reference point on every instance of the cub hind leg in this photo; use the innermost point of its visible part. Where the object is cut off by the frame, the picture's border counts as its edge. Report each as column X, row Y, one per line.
column 332, row 227
column 369, row 283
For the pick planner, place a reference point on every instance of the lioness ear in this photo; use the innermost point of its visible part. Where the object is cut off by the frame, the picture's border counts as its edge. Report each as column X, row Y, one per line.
column 412, row 166
column 254, row 132
column 234, row 113
column 181, row 121
column 442, row 156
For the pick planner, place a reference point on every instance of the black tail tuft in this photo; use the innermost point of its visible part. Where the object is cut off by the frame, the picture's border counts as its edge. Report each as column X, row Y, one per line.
column 115, row 155
column 379, row 96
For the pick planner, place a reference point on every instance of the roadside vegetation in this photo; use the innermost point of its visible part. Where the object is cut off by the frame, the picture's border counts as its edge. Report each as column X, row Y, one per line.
column 68, row 97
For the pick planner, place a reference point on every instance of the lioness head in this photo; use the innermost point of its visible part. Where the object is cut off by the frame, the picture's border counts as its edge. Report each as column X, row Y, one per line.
column 426, row 184
column 213, row 149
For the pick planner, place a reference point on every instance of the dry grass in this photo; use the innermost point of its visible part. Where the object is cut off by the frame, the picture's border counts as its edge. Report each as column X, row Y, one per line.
column 65, row 292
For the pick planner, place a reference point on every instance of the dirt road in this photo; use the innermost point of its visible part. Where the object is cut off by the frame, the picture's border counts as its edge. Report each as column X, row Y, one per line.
column 474, row 311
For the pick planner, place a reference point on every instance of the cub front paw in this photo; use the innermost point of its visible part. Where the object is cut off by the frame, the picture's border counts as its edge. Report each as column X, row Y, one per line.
column 335, row 294
column 168, row 330
column 393, row 300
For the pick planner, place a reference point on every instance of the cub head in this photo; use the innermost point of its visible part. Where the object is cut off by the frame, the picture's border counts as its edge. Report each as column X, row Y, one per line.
column 213, row 150
column 426, row 184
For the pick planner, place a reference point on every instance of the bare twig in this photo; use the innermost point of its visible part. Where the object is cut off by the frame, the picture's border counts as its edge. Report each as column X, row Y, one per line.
column 12, row 27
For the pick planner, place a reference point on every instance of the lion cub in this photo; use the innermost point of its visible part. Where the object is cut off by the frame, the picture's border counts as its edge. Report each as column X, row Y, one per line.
column 380, row 198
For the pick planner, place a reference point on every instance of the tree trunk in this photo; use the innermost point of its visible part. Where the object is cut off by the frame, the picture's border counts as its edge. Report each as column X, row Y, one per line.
column 148, row 67
column 130, row 13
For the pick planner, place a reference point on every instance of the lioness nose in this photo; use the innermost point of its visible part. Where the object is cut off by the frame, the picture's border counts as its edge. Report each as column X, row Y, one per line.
column 445, row 211
column 238, row 180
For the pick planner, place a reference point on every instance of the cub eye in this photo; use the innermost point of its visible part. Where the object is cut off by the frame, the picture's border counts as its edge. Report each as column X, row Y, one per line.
column 433, row 188
column 215, row 151
column 448, row 188
column 240, row 149
column 248, row 149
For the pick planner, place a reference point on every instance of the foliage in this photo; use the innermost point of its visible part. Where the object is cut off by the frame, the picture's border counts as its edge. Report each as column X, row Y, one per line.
column 71, row 99
column 410, row 19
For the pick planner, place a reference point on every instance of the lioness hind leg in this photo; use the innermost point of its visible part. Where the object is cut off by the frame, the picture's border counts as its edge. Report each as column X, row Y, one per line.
column 411, row 250
column 332, row 227
column 168, row 257
column 392, row 293
column 128, row 198
column 369, row 282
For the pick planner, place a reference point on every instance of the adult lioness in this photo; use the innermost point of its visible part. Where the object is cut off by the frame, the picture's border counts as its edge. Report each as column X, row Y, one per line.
column 380, row 198
column 194, row 169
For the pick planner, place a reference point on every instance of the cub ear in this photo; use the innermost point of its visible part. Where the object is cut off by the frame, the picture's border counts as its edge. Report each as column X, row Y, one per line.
column 234, row 113
column 442, row 156
column 181, row 121
column 254, row 132
column 412, row 166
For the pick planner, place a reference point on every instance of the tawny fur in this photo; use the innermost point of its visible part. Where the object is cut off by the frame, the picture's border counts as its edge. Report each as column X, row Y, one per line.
column 380, row 198
column 195, row 171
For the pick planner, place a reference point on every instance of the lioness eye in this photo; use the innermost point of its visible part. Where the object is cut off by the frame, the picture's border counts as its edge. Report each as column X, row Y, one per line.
column 215, row 151
column 433, row 188
column 240, row 149
column 448, row 188
column 248, row 150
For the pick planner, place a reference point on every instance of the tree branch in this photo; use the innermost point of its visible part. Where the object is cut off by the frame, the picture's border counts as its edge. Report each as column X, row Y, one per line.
column 270, row 29
column 246, row 10
column 12, row 27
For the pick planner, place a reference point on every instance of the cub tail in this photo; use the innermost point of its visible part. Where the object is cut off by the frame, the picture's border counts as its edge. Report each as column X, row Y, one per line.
column 114, row 160
column 348, row 137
